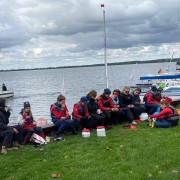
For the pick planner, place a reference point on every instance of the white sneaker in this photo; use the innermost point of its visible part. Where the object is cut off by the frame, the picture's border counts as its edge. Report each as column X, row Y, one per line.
column 134, row 122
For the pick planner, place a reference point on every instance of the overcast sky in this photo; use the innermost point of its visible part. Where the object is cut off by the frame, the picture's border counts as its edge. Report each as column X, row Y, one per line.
column 50, row 33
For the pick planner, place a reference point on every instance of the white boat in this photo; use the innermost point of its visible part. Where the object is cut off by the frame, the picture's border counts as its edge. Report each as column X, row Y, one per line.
column 6, row 94
column 170, row 80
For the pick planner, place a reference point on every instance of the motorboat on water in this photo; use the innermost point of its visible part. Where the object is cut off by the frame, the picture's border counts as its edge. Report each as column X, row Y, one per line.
column 6, row 94
column 171, row 82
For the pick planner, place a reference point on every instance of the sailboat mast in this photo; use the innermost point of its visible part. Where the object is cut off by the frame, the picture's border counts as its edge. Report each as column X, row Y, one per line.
column 105, row 51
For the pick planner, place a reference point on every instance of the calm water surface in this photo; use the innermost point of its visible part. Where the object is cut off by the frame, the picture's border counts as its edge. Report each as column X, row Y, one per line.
column 41, row 87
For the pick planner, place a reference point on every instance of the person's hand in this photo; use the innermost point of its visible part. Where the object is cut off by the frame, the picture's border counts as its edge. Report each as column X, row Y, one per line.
column 62, row 106
column 142, row 103
column 9, row 108
column 114, row 109
column 15, row 130
column 27, row 117
column 63, row 118
column 34, row 123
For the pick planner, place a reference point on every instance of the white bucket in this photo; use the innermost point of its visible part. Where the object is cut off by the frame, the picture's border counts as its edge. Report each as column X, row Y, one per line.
column 101, row 131
column 86, row 133
column 144, row 116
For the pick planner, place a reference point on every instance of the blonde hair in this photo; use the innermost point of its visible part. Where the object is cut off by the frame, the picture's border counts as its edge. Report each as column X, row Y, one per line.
column 24, row 112
column 164, row 102
column 126, row 88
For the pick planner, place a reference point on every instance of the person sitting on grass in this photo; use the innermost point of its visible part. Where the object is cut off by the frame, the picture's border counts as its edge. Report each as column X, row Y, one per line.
column 8, row 134
column 140, row 106
column 117, row 116
column 151, row 103
column 81, row 115
column 168, row 116
column 108, row 108
column 126, row 101
column 94, row 111
column 26, row 120
column 61, row 118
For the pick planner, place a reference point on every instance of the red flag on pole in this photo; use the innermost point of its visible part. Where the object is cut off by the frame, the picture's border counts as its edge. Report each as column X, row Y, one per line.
column 102, row 5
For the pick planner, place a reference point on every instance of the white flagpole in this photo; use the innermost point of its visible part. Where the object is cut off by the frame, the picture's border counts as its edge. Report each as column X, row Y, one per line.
column 105, row 52
column 63, row 87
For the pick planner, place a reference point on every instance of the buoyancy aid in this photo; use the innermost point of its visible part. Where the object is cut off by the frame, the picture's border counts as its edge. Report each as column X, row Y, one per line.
column 57, row 107
column 105, row 101
column 147, row 94
column 174, row 118
column 81, row 110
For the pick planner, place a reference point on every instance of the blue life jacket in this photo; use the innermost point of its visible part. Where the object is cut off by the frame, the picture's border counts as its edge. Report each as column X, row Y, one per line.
column 57, row 107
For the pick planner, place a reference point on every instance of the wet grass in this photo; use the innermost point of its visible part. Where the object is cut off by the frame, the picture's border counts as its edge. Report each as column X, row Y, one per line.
column 145, row 153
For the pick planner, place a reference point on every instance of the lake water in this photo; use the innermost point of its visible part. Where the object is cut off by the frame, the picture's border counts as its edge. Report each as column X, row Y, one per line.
column 41, row 87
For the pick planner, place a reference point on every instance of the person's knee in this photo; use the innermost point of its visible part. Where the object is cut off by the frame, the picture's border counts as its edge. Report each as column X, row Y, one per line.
column 9, row 132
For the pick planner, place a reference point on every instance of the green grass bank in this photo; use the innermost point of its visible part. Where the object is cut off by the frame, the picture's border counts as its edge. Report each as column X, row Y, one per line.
column 145, row 153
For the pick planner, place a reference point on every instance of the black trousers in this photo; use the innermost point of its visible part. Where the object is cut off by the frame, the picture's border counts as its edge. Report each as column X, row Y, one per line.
column 8, row 136
column 117, row 117
column 128, row 115
column 97, row 119
column 84, row 122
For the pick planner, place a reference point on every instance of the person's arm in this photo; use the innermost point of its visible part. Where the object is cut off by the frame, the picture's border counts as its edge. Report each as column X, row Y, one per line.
column 3, row 126
column 76, row 113
column 66, row 113
column 121, row 101
column 111, row 103
column 162, row 113
column 150, row 99
column 56, row 113
column 86, row 112
column 21, row 121
column 101, row 106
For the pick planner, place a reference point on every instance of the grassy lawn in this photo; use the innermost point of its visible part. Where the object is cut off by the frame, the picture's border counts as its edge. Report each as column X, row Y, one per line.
column 145, row 153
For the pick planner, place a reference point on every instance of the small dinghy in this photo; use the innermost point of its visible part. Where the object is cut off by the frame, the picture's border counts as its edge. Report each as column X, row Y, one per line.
column 6, row 94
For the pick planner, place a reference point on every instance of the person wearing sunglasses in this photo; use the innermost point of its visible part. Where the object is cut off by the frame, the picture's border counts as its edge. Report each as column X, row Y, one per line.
column 127, row 103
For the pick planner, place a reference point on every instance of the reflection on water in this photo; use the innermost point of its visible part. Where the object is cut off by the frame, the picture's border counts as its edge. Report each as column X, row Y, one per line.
column 41, row 87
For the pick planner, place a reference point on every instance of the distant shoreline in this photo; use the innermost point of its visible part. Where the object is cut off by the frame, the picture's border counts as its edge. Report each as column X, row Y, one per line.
column 93, row 65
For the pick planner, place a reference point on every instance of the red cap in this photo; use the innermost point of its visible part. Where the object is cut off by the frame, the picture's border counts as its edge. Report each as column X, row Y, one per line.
column 86, row 130
column 100, row 127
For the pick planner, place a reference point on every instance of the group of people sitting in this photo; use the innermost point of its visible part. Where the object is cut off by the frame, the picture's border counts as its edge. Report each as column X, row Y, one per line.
column 108, row 110
column 91, row 111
